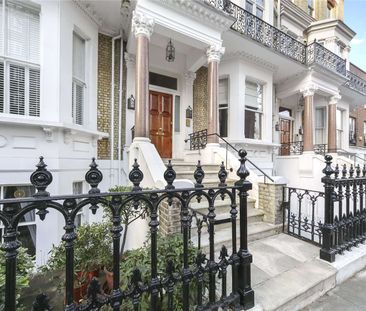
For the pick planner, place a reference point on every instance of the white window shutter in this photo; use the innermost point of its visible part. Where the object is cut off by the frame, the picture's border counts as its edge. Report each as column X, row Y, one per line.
column 1, row 29
column 78, row 103
column 34, row 92
column 16, row 89
column 23, row 34
column 2, row 87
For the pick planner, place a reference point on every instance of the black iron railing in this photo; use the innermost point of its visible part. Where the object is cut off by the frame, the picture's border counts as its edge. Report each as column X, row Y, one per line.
column 240, row 295
column 345, row 209
column 318, row 54
column 198, row 140
column 320, row 149
column 303, row 213
column 291, row 148
column 356, row 83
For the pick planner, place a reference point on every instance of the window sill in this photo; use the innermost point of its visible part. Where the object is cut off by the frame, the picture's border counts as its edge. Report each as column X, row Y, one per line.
column 49, row 125
column 254, row 142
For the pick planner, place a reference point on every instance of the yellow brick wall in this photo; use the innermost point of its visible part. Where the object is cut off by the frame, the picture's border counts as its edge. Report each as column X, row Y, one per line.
column 200, row 100
column 320, row 8
column 104, row 95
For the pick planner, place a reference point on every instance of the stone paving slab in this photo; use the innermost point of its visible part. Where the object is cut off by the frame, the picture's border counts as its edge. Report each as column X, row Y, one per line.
column 349, row 295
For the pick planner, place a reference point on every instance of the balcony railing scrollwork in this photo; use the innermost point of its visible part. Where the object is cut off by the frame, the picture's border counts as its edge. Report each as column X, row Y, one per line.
column 291, row 148
column 356, row 83
column 318, row 54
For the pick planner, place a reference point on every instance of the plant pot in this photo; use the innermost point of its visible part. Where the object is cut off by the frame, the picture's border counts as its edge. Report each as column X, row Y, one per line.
column 81, row 288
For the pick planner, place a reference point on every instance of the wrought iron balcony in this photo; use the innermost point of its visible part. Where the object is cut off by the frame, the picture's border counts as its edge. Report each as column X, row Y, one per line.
column 318, row 54
column 356, row 83
column 255, row 28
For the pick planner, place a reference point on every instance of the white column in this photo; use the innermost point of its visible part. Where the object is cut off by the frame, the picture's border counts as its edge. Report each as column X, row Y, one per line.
column 130, row 61
column 142, row 27
column 214, row 54
column 186, row 101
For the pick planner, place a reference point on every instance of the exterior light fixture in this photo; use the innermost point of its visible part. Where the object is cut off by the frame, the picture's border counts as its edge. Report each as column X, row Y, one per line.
column 301, row 131
column 277, row 127
column 189, row 113
column 170, row 52
column 131, row 102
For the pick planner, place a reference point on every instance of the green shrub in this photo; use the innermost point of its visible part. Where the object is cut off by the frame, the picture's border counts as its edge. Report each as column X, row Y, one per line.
column 24, row 268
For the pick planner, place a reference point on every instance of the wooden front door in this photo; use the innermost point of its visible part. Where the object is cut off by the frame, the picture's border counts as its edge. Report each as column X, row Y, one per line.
column 161, row 108
column 285, row 136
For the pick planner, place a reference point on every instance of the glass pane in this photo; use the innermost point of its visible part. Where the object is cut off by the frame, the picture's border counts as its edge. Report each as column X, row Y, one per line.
column 320, row 118
column 260, row 2
column 223, row 121
column 253, row 95
column 19, row 192
column 177, row 114
column 339, row 120
column 249, row 6
column 253, row 124
column 78, row 57
column 259, row 13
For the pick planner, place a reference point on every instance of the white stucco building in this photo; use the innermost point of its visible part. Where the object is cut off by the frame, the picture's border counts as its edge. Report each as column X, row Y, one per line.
column 272, row 77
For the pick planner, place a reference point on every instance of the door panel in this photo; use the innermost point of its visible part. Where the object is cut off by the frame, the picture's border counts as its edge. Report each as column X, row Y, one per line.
column 161, row 122
column 285, row 136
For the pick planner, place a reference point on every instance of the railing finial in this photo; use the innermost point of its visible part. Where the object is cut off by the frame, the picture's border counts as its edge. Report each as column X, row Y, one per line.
column 242, row 172
column 93, row 177
column 222, row 175
column 170, row 176
column 41, row 178
column 328, row 170
column 136, row 176
column 198, row 175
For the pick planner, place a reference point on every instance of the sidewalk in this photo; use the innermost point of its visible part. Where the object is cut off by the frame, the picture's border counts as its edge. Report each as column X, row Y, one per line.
column 287, row 273
column 349, row 296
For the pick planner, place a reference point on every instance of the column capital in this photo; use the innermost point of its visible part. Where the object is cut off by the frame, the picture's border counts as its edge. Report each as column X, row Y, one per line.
column 130, row 60
column 335, row 99
column 214, row 53
column 308, row 90
column 142, row 25
column 189, row 77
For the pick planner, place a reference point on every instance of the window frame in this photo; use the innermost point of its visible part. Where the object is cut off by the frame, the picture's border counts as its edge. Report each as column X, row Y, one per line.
column 76, row 81
column 9, row 60
column 222, row 107
column 352, row 133
column 259, row 112
column 318, row 128
column 255, row 7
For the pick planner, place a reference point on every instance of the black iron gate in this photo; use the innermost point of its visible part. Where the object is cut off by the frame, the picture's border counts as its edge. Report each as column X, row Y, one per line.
column 237, row 295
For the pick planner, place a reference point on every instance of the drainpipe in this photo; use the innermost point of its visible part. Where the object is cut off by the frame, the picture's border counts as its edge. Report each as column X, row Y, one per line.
column 120, row 113
column 112, row 114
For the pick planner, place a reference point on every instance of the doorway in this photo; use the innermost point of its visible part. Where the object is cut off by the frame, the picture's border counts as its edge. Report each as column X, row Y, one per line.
column 161, row 110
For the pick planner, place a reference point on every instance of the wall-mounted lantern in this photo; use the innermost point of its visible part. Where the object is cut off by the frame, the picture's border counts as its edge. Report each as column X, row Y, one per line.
column 301, row 131
column 277, row 127
column 170, row 52
column 189, row 113
column 131, row 102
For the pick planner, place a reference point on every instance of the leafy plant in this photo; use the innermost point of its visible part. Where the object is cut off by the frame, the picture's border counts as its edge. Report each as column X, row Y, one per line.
column 129, row 213
column 24, row 267
column 169, row 248
column 92, row 250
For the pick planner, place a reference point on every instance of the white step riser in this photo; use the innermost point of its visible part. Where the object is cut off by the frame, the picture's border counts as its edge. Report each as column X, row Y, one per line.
column 189, row 175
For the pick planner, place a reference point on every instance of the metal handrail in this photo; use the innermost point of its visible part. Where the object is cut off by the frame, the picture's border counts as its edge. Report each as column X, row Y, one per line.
column 236, row 150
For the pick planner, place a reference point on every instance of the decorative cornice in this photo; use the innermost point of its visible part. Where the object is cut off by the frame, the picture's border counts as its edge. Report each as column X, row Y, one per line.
column 214, row 53
column 89, row 10
column 130, row 60
column 252, row 59
column 189, row 77
column 142, row 25
column 203, row 11
column 335, row 99
column 309, row 90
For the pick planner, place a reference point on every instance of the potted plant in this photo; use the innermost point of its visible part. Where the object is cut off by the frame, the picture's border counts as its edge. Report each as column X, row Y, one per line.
column 92, row 252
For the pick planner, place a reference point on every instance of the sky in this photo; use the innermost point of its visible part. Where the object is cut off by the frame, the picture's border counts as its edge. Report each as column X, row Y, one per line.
column 355, row 18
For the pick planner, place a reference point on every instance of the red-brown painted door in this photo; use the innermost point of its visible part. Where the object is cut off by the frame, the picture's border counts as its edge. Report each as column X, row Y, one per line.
column 161, row 108
column 285, row 136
